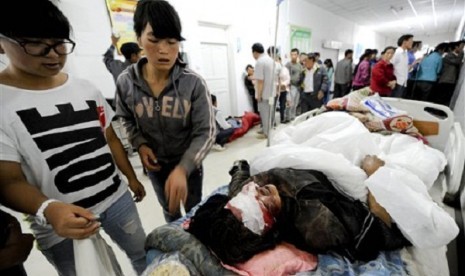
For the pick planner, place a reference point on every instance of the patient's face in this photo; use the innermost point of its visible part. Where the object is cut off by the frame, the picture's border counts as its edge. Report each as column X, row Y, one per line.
column 268, row 196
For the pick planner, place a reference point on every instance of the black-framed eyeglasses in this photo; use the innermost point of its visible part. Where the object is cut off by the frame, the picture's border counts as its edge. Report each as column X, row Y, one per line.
column 40, row 49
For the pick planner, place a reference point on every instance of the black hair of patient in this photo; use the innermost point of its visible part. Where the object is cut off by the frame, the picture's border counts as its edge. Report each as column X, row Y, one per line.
column 225, row 235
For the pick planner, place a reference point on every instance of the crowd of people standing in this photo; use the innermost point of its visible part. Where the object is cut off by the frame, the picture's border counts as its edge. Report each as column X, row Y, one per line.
column 306, row 83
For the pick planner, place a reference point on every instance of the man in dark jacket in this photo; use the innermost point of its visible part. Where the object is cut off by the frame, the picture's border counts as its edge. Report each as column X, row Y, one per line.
column 313, row 85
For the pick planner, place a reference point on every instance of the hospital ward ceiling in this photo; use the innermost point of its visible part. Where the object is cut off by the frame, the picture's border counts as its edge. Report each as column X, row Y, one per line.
column 394, row 17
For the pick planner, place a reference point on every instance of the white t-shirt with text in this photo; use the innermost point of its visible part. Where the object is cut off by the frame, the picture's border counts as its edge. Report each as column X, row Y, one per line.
column 57, row 135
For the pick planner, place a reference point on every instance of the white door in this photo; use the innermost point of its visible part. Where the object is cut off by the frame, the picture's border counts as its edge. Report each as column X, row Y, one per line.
column 215, row 73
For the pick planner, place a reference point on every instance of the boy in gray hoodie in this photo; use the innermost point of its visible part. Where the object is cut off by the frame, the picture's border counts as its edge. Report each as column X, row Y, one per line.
column 167, row 110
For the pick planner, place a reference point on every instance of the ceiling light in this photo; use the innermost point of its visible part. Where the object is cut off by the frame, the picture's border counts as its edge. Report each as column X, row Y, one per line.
column 415, row 12
column 434, row 14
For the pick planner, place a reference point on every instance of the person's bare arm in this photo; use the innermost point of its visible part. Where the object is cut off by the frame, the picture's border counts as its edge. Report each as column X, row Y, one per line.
column 67, row 220
column 122, row 161
column 370, row 165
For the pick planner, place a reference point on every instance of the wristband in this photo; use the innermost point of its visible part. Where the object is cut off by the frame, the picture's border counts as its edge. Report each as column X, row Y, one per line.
column 40, row 217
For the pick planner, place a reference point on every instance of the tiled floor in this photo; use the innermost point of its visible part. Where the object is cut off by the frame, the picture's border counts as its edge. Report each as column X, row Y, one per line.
column 216, row 167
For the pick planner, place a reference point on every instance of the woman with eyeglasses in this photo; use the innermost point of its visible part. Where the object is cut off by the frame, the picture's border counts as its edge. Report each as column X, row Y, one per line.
column 59, row 156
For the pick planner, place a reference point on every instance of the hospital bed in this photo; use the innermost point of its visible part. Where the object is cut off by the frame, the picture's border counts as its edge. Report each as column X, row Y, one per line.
column 437, row 124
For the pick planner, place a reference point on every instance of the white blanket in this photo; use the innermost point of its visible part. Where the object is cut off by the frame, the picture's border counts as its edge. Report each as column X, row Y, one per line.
column 335, row 143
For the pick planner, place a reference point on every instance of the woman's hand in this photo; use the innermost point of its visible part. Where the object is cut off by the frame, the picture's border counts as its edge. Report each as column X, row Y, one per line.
column 176, row 189
column 148, row 158
column 392, row 84
column 71, row 221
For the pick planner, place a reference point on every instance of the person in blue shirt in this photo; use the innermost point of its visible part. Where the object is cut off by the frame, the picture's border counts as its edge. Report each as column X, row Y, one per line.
column 428, row 72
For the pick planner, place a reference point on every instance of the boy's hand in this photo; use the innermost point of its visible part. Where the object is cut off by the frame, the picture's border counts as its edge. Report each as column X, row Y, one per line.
column 176, row 189
column 138, row 189
column 114, row 40
column 148, row 158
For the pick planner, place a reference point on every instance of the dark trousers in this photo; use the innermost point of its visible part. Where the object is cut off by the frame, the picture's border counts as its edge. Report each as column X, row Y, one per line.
column 442, row 93
column 422, row 91
column 358, row 87
column 223, row 136
column 282, row 105
column 254, row 104
column 409, row 90
column 340, row 90
column 194, row 188
column 309, row 101
column 398, row 92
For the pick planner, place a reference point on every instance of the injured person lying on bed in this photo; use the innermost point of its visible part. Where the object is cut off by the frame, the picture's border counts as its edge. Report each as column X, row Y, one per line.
column 300, row 207
column 327, row 191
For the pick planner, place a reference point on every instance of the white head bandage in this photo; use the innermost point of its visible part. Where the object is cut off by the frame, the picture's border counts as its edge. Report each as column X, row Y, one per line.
column 247, row 204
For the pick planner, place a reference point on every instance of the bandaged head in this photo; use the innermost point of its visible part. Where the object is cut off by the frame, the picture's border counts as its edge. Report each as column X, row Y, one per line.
column 256, row 207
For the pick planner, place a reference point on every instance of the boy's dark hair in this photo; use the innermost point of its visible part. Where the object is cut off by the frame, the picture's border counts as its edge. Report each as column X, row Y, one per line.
column 225, row 235
column 317, row 54
column 45, row 20
column 161, row 16
column 213, row 98
column 403, row 38
column 129, row 48
column 258, row 47
column 311, row 57
column 295, row 50
column 348, row 52
column 248, row 66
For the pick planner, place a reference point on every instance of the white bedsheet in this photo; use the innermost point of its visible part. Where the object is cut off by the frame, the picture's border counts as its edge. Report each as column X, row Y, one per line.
column 335, row 143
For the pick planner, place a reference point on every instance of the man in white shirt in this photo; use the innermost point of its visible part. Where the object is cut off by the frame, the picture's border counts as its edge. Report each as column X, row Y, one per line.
column 400, row 63
column 264, row 87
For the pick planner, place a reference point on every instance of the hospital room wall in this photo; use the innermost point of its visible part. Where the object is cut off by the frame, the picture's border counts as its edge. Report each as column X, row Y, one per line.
column 245, row 22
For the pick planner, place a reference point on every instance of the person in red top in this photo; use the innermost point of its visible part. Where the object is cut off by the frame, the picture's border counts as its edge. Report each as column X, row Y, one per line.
column 383, row 79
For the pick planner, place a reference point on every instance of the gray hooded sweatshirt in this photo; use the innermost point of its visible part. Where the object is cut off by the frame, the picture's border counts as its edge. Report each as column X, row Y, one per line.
column 179, row 125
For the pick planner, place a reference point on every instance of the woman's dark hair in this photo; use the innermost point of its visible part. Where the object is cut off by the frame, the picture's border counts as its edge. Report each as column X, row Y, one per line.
column 45, row 20
column 218, row 229
column 442, row 47
column 161, row 16
column 248, row 66
column 366, row 54
column 329, row 63
column 387, row 49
